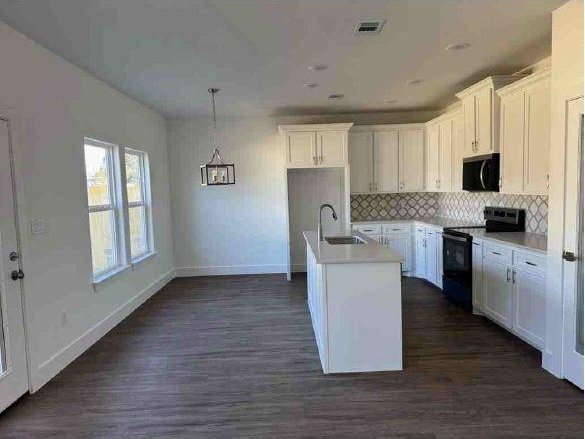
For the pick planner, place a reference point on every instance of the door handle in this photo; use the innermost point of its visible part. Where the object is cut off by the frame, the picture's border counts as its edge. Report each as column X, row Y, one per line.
column 569, row 256
column 14, row 256
column 17, row 275
column 507, row 275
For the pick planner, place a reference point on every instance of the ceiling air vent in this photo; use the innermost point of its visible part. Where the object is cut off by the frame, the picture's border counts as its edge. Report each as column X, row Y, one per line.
column 335, row 96
column 369, row 27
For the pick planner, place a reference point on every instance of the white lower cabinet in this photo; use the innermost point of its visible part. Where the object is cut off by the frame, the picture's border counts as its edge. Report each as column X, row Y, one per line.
column 431, row 250
column 513, row 287
column 420, row 252
column 400, row 243
column 529, row 297
column 497, row 289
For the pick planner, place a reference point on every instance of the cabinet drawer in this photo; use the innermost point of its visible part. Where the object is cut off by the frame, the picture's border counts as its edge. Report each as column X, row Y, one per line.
column 497, row 253
column 369, row 229
column 530, row 262
column 389, row 229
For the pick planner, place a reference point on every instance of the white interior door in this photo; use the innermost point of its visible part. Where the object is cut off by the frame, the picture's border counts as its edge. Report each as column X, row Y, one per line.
column 13, row 367
column 573, row 245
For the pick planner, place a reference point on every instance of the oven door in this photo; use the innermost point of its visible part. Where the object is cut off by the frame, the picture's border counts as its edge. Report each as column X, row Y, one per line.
column 457, row 255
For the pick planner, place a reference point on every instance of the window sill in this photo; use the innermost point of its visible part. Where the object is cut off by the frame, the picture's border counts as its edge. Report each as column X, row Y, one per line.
column 143, row 258
column 104, row 278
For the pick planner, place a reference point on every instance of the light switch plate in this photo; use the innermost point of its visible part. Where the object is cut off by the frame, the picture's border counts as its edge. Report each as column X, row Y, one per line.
column 37, row 227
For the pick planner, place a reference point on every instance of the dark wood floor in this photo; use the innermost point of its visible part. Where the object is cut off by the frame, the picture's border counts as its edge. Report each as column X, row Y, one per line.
column 234, row 357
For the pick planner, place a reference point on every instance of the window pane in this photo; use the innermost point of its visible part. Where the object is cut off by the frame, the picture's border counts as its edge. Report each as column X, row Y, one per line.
column 138, row 241
column 103, row 245
column 96, row 171
column 134, row 177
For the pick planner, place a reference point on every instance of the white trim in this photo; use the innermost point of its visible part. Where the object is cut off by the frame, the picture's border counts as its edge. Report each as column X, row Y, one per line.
column 142, row 258
column 106, row 276
column 51, row 367
column 524, row 82
column 387, row 127
column 495, row 82
column 315, row 127
column 226, row 270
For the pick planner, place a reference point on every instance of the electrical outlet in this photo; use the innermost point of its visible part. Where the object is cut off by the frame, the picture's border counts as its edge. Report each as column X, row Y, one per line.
column 37, row 226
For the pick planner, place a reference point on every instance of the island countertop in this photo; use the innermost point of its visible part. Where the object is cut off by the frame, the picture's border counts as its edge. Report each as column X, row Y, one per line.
column 371, row 251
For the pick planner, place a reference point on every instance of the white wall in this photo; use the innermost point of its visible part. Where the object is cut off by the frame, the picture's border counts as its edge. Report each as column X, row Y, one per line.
column 53, row 106
column 566, row 83
column 209, row 222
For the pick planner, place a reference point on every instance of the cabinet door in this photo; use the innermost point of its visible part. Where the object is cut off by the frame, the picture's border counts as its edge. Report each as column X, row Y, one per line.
column 457, row 144
column 420, row 252
column 512, row 143
column 433, row 144
column 469, row 126
column 386, row 161
column 332, row 148
column 497, row 292
column 411, row 157
column 529, row 303
column 431, row 255
column 537, row 139
column 400, row 243
column 483, row 120
column 361, row 162
column 300, row 149
column 445, row 155
column 477, row 275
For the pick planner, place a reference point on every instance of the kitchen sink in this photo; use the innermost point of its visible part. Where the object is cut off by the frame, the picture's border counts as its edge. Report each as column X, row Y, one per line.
column 339, row 240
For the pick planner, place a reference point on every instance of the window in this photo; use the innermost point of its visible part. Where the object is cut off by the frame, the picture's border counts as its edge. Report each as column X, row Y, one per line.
column 120, row 219
column 137, row 188
column 101, row 197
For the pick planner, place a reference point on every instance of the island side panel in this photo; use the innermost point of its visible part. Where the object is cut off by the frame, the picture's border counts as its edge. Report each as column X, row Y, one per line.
column 364, row 310
column 316, row 298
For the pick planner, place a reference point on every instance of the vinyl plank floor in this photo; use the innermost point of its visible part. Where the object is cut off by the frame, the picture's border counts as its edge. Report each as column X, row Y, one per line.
column 234, row 357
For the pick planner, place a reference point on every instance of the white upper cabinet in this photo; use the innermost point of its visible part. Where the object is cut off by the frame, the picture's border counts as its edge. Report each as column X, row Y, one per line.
column 332, row 148
column 300, row 149
column 411, row 157
column 525, row 135
column 313, row 146
column 433, row 157
column 444, row 172
column 361, row 159
column 387, row 158
column 386, row 161
column 481, row 115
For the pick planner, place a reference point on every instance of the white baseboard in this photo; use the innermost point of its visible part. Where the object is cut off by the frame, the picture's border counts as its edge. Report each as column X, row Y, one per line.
column 229, row 270
column 51, row 367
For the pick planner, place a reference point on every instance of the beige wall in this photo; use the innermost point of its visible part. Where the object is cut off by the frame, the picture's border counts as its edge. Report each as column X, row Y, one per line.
column 53, row 106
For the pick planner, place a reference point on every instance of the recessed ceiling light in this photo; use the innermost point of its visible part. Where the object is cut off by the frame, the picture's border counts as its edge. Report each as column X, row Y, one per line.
column 415, row 81
column 311, row 84
column 336, row 96
column 457, row 46
column 317, row 67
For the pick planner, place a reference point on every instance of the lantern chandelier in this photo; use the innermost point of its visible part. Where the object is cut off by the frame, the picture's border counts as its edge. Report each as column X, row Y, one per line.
column 216, row 172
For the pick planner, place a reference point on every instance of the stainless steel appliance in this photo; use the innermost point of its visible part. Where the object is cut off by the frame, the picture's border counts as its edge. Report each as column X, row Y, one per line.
column 457, row 251
column 482, row 173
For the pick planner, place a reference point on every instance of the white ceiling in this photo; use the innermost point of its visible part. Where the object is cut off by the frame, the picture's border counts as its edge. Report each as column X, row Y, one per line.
column 167, row 53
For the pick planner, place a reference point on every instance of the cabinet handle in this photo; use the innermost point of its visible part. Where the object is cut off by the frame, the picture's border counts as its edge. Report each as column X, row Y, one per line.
column 507, row 275
column 396, row 230
column 513, row 276
column 496, row 253
column 368, row 230
column 531, row 263
column 476, row 243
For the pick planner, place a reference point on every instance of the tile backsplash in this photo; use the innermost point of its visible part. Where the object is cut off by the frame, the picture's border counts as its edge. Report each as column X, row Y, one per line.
column 465, row 206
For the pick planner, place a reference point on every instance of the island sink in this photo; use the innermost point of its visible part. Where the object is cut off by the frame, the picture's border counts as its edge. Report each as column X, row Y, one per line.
column 344, row 240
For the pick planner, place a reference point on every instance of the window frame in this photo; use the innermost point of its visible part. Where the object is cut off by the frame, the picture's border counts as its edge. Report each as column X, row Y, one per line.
column 146, row 196
column 114, row 205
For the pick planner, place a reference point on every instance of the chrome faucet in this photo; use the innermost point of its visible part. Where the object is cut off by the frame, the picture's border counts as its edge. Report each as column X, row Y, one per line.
column 333, row 214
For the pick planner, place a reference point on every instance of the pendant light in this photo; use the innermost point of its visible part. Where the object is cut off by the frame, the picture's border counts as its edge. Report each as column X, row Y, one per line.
column 216, row 172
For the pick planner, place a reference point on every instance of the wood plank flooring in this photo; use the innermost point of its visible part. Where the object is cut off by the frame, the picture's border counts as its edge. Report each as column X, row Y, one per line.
column 234, row 357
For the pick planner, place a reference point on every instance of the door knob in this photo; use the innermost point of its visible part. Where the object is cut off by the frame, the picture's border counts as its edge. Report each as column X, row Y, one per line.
column 569, row 256
column 17, row 275
column 13, row 256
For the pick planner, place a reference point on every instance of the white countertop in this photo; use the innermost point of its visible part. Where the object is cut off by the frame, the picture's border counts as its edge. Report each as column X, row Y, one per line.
column 522, row 240
column 371, row 251
column 525, row 240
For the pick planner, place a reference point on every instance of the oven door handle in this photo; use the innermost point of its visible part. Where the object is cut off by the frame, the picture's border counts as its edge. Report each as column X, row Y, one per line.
column 481, row 174
column 454, row 238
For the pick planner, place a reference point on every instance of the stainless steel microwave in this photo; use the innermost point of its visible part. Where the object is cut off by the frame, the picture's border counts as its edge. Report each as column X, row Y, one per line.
column 482, row 173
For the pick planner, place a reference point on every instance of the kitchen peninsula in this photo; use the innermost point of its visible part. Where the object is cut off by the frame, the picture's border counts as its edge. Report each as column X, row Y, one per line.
column 354, row 295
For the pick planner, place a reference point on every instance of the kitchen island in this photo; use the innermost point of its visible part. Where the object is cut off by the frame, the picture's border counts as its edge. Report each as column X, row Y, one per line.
column 354, row 296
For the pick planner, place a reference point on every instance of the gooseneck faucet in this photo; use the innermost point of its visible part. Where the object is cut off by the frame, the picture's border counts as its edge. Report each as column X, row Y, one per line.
column 333, row 214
